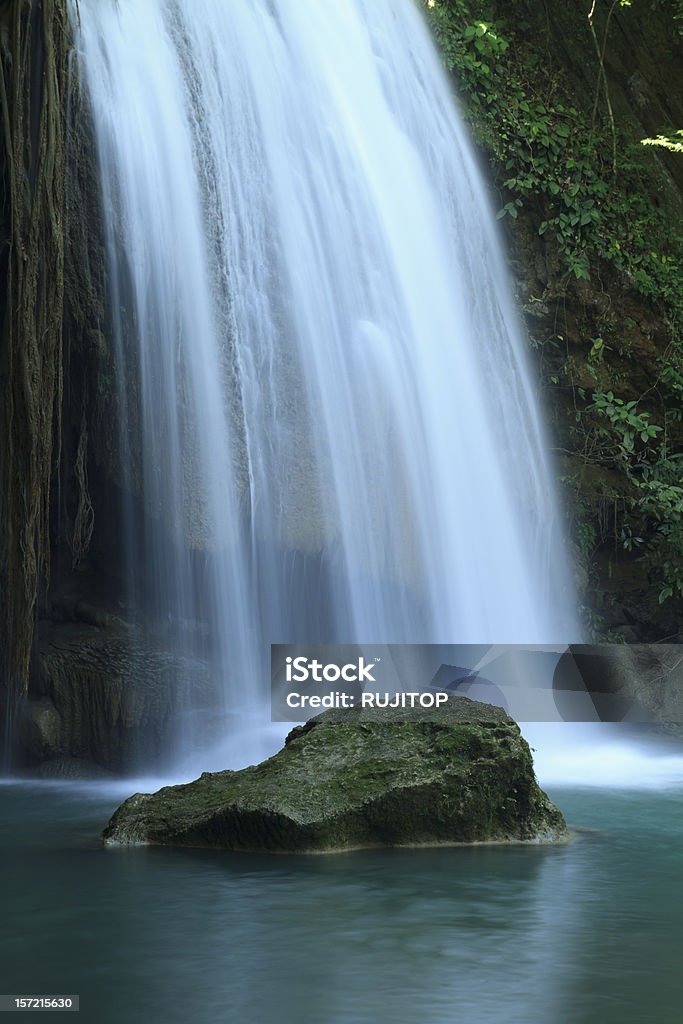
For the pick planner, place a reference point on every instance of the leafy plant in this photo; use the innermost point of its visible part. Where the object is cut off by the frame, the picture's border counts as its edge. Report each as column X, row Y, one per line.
column 576, row 177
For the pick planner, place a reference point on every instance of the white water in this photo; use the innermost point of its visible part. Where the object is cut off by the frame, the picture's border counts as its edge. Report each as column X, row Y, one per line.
column 334, row 432
column 604, row 755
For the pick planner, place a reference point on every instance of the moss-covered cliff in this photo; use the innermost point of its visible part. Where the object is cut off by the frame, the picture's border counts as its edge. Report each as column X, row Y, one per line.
column 559, row 97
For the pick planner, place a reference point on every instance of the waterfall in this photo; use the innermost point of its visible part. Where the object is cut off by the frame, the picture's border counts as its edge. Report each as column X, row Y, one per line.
column 327, row 417
column 610, row 755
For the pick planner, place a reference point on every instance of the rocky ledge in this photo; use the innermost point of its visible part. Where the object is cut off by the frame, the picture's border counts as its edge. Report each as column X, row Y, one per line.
column 347, row 780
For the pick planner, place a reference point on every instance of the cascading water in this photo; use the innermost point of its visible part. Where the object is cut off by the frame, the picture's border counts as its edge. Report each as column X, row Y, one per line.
column 328, row 420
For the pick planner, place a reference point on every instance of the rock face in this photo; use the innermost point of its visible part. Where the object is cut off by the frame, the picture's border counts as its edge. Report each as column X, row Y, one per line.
column 33, row 84
column 350, row 779
column 106, row 696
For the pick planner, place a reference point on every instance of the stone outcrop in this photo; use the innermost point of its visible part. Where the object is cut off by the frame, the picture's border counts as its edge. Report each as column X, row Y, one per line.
column 106, row 696
column 352, row 779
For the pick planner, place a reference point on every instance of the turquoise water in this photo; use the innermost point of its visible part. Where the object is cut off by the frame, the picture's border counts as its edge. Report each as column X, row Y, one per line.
column 588, row 932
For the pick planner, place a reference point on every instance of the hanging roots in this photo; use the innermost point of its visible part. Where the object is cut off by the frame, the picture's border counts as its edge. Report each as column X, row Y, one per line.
column 84, row 521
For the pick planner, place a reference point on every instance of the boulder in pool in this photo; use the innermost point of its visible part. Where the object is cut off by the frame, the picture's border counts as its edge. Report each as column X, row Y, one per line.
column 461, row 773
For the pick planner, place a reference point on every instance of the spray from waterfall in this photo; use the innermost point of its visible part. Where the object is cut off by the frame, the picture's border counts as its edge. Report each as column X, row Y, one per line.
column 329, row 430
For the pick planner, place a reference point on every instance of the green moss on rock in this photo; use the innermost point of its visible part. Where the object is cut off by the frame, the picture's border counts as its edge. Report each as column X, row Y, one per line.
column 350, row 779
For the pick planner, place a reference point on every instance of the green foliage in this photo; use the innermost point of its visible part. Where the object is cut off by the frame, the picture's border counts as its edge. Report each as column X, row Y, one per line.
column 673, row 142
column 541, row 143
column 625, row 425
column 553, row 159
column 617, row 434
column 581, row 180
column 674, row 8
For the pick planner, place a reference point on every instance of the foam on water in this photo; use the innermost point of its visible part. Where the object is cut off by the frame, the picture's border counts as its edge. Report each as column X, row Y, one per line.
column 604, row 755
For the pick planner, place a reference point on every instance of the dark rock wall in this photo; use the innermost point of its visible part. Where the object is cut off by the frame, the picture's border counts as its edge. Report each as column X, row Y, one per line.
column 60, row 465
column 33, row 75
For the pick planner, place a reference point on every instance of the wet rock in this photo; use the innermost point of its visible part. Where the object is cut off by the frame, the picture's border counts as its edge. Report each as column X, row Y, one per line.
column 111, row 696
column 351, row 779
column 40, row 730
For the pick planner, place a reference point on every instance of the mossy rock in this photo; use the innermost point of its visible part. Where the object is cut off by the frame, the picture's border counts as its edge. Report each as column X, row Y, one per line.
column 348, row 779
